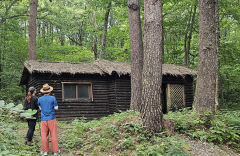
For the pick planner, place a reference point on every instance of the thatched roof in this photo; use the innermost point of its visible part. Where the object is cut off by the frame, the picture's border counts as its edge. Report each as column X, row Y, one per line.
column 61, row 67
column 98, row 67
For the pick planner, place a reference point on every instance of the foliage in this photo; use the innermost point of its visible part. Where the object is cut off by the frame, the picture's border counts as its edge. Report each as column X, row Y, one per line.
column 66, row 31
column 16, row 111
column 11, row 143
column 223, row 128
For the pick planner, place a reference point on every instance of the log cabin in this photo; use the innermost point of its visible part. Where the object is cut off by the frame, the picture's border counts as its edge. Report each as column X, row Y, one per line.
column 94, row 90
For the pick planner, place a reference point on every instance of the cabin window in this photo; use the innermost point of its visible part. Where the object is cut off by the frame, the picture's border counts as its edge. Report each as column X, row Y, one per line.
column 175, row 97
column 77, row 91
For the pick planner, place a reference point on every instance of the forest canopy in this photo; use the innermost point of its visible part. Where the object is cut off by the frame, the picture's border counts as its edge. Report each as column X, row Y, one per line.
column 73, row 31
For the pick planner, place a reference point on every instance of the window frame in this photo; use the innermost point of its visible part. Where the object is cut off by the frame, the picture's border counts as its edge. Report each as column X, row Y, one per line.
column 90, row 92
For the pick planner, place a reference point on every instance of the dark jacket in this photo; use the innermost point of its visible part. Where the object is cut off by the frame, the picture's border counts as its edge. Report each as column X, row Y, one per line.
column 32, row 105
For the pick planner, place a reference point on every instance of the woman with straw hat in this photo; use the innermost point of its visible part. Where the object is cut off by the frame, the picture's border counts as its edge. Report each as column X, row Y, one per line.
column 48, row 105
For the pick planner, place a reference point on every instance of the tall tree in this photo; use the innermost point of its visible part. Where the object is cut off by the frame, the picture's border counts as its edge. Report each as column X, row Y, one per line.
column 151, row 111
column 208, row 58
column 32, row 29
column 188, row 35
column 105, row 29
column 135, row 32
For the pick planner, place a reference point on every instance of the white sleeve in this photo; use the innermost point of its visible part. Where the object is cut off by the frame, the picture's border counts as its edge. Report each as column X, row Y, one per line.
column 56, row 107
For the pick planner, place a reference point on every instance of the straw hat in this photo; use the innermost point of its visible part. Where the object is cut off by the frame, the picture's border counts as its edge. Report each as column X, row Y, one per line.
column 46, row 88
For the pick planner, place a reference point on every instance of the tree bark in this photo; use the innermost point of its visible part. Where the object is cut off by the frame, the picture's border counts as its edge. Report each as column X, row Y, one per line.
column 162, row 33
column 151, row 111
column 208, row 58
column 135, row 32
column 218, row 52
column 32, row 30
column 105, row 29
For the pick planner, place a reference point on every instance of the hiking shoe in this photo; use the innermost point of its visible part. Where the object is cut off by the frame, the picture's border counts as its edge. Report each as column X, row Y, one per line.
column 44, row 153
column 29, row 143
column 56, row 153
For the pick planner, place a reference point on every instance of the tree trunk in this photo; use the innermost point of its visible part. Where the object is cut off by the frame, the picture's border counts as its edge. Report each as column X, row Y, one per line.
column 208, row 61
column 80, row 34
column 190, row 35
column 218, row 52
column 151, row 111
column 32, row 30
column 162, row 33
column 94, row 48
column 135, row 32
column 105, row 29
column 186, row 55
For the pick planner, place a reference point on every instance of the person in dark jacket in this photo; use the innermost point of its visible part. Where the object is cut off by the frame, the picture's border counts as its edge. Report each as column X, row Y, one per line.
column 31, row 102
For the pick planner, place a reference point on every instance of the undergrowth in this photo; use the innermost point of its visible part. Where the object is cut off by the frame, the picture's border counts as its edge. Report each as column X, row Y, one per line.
column 11, row 141
column 118, row 134
column 221, row 129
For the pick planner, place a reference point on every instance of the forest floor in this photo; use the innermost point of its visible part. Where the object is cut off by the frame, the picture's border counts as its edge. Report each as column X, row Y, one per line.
column 193, row 147
column 201, row 148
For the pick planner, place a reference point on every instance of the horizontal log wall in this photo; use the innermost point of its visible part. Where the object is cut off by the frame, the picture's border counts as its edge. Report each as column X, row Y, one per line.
column 97, row 108
column 112, row 96
column 110, row 93
column 123, row 93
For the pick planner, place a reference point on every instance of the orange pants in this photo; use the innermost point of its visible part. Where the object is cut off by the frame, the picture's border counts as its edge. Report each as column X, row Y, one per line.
column 46, row 127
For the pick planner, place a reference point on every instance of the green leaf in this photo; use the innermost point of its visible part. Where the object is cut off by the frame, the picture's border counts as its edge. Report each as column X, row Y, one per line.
column 2, row 103
column 9, row 106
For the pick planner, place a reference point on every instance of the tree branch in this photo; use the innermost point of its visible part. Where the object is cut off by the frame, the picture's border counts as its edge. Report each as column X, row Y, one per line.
column 14, row 16
column 6, row 12
column 73, row 40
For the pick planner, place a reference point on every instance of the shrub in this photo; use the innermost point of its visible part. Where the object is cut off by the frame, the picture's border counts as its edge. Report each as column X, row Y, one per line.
column 223, row 128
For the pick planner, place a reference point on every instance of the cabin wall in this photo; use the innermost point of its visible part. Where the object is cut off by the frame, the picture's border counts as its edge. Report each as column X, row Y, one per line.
column 110, row 93
column 112, row 96
column 187, row 81
column 123, row 93
column 97, row 108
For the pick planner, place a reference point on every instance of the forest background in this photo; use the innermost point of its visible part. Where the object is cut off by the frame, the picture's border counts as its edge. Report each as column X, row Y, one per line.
column 73, row 31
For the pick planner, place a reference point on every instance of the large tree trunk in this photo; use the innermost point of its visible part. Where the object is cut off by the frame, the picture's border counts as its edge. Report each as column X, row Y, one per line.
column 218, row 52
column 208, row 58
column 135, row 32
column 162, row 33
column 151, row 111
column 105, row 29
column 32, row 30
